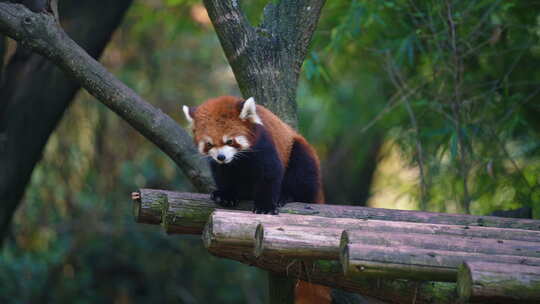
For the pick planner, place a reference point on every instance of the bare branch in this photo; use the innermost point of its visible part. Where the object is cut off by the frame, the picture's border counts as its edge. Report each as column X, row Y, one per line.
column 41, row 33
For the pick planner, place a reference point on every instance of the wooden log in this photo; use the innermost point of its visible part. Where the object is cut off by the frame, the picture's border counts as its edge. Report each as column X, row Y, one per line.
column 306, row 242
column 444, row 230
column 232, row 228
column 447, row 243
column 498, row 283
column 235, row 228
column 148, row 206
column 188, row 212
column 329, row 273
column 228, row 229
column 415, row 263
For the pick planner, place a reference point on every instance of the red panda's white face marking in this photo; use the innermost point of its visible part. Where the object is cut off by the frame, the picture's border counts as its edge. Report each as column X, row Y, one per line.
column 225, row 151
column 204, row 144
column 243, row 142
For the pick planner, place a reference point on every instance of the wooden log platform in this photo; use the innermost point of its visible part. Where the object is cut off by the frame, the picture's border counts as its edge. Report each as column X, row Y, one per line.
column 383, row 253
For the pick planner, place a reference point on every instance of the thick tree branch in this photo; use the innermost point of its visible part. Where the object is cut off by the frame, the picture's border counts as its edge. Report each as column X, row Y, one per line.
column 40, row 33
column 266, row 60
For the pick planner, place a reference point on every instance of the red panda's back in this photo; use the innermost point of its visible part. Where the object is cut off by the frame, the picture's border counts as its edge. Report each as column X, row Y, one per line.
column 284, row 137
column 282, row 134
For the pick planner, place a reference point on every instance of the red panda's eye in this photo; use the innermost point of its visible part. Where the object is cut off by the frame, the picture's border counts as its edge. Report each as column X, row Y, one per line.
column 229, row 142
column 209, row 145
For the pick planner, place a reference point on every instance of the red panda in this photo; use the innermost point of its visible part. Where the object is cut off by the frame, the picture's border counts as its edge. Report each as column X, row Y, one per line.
column 255, row 156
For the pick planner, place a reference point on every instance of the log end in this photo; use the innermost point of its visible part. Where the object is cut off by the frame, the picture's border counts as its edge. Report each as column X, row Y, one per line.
column 136, row 198
column 344, row 258
column 259, row 244
column 207, row 233
column 344, row 240
column 464, row 283
column 149, row 206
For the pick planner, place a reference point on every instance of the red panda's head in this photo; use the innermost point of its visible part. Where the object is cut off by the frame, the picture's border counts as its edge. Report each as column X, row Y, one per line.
column 223, row 127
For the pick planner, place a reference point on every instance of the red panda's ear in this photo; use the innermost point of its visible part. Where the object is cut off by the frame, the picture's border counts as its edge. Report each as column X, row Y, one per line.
column 189, row 112
column 249, row 111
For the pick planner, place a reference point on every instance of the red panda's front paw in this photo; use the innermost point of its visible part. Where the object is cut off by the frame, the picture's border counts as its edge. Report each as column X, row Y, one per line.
column 224, row 198
column 273, row 210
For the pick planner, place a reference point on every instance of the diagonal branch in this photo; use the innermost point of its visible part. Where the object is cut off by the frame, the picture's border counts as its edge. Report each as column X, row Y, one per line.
column 267, row 59
column 40, row 33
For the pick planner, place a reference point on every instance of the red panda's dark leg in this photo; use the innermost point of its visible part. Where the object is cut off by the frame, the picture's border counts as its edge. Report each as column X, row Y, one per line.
column 302, row 181
column 269, row 176
column 226, row 194
column 267, row 192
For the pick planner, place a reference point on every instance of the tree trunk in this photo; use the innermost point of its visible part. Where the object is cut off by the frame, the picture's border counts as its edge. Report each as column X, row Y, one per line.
column 266, row 60
column 498, row 283
column 35, row 94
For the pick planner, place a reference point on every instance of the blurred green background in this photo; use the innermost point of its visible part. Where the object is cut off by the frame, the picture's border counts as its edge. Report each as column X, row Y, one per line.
column 430, row 105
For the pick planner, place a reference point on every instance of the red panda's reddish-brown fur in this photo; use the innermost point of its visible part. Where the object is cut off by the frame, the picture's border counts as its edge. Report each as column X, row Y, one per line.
column 218, row 116
column 282, row 134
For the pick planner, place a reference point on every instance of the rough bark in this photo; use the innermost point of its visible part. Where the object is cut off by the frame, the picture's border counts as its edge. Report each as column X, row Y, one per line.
column 34, row 93
column 227, row 228
column 237, row 228
column 224, row 230
column 415, row 263
column 442, row 230
column 498, row 283
column 267, row 59
column 448, row 242
column 190, row 211
column 306, row 242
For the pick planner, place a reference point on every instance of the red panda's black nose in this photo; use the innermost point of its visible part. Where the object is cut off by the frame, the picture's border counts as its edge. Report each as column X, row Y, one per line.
column 221, row 157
